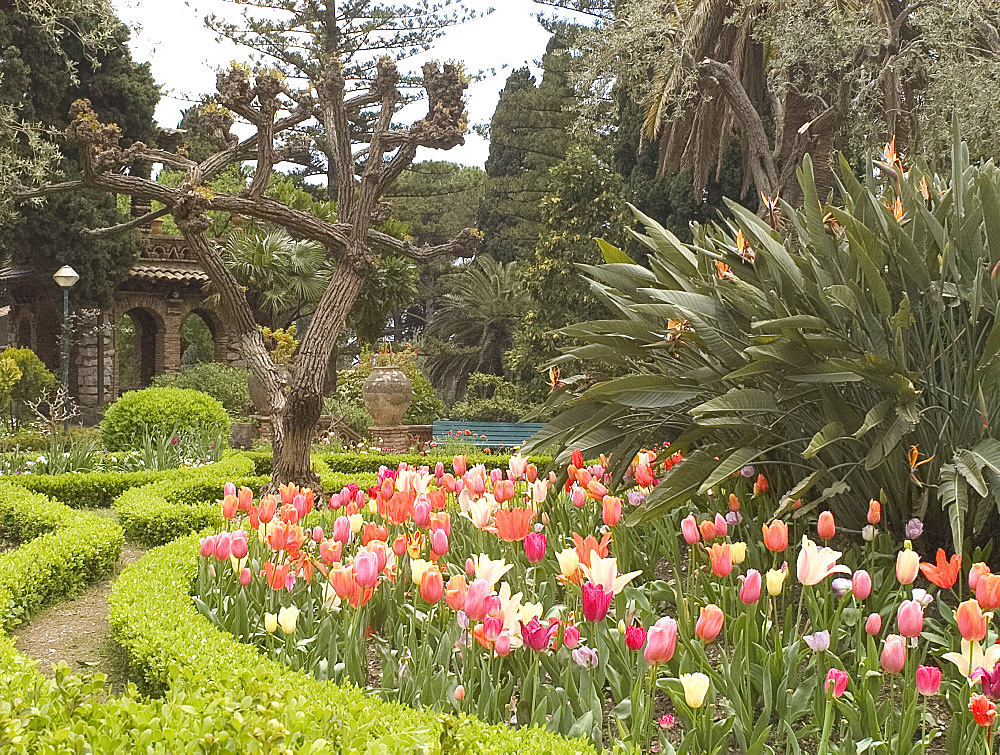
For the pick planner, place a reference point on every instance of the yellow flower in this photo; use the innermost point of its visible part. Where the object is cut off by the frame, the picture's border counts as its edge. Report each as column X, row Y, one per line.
column 287, row 617
column 489, row 570
column 738, row 552
column 356, row 521
column 270, row 622
column 604, row 572
column 775, row 581
column 417, row 568
column 530, row 611
column 695, row 688
column 569, row 562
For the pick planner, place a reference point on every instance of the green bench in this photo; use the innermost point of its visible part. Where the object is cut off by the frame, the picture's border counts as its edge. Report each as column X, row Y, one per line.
column 492, row 435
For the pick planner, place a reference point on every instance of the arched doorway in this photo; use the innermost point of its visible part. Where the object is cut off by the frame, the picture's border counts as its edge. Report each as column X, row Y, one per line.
column 198, row 338
column 139, row 343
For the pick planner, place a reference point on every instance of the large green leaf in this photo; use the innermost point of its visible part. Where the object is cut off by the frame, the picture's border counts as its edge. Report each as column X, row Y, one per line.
column 954, row 498
column 739, row 400
column 967, row 465
column 831, row 433
column 729, row 466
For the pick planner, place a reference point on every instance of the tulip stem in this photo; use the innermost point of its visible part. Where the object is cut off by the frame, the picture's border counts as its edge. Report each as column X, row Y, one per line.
column 923, row 726
column 827, row 727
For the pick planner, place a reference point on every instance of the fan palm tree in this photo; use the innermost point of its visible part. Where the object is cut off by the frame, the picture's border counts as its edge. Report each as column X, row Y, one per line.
column 474, row 320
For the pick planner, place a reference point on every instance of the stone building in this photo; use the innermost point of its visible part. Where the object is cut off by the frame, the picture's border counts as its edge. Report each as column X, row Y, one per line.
column 164, row 287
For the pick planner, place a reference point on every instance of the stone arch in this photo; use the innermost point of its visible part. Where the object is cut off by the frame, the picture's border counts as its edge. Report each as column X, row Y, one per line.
column 220, row 336
column 148, row 345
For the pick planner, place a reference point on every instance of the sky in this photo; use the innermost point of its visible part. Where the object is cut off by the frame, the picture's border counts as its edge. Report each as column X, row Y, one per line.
column 184, row 55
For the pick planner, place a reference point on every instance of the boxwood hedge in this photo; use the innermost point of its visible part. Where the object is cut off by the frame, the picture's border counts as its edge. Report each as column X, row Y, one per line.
column 154, row 619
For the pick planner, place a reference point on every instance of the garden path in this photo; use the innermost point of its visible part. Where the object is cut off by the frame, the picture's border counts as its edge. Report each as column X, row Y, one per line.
column 77, row 632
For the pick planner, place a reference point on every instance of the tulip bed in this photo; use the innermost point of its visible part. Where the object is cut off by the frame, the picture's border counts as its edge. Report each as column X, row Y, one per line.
column 527, row 601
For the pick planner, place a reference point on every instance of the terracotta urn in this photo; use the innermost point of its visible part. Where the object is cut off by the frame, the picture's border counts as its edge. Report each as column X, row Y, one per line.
column 387, row 394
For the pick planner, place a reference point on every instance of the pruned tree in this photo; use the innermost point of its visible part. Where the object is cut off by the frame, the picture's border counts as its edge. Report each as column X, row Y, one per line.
column 351, row 240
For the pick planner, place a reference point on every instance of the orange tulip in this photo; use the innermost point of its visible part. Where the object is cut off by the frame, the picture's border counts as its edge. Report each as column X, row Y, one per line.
column 512, row 525
column 977, row 570
column 709, row 623
column 721, row 556
column 707, row 529
column 945, row 573
column 760, row 486
column 275, row 575
column 988, row 591
column 432, row 585
column 775, row 535
column 586, row 546
column 970, row 620
column 455, row 592
column 825, row 527
column 874, row 512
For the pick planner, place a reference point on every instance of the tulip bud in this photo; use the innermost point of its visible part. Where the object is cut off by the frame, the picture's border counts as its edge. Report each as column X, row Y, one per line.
column 868, row 533
column 439, row 541
column 432, row 585
column 223, row 546
column 910, row 618
column 207, row 546
column 270, row 622
column 975, row 572
column 874, row 512
column 611, row 510
column 861, row 584
column 873, row 625
column 721, row 526
column 634, row 638
column 460, row 689
column 238, row 544
column 470, row 567
column 738, row 552
column 531, row 473
column 661, row 641
column 893, row 656
column 534, row 547
column 907, row 565
column 578, row 496
column 439, row 470
column 501, row 646
column 928, row 680
column 245, row 576
column 342, row 530
column 750, row 584
column 825, row 527
column 695, row 688
column 841, row 587
column 571, row 636
column 775, row 581
column 689, row 529
column 709, row 623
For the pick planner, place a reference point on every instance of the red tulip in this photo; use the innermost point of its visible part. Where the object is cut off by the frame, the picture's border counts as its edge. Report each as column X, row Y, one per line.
column 536, row 636
column 634, row 637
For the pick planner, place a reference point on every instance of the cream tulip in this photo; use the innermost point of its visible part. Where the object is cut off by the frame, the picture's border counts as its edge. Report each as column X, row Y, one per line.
column 695, row 688
column 287, row 618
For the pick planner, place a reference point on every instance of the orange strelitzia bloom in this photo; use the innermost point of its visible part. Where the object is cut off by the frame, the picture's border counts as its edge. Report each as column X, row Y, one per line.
column 945, row 573
column 915, row 464
column 512, row 525
column 723, row 270
column 590, row 544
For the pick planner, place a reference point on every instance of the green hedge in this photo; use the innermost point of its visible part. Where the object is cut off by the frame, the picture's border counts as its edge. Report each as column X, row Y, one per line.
column 160, row 411
column 61, row 551
column 153, row 618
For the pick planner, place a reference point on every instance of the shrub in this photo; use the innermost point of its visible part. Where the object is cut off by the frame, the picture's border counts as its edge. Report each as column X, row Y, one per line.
column 490, row 398
column 153, row 618
column 160, row 411
column 34, row 381
column 226, row 384
column 425, row 406
column 355, row 416
column 62, row 551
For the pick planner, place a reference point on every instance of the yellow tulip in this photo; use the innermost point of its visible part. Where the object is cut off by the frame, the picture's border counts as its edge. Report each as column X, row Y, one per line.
column 356, row 521
column 417, row 568
column 270, row 622
column 287, row 617
column 775, row 581
column 738, row 552
column 569, row 562
column 907, row 565
column 695, row 688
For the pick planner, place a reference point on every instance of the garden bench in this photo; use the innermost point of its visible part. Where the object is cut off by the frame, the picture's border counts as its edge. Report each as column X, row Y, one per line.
column 492, row 435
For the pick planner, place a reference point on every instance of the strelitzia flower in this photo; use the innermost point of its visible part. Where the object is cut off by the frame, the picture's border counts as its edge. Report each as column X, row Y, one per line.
column 604, row 572
column 816, row 564
column 695, row 688
column 973, row 656
column 490, row 571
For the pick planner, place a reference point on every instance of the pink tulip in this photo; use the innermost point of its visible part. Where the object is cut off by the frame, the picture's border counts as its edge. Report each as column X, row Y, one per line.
column 661, row 640
column 836, row 679
column 342, row 530
column 596, row 601
column 238, row 544
column 470, row 567
column 460, row 689
column 317, row 533
column 492, row 626
column 861, row 584
column 910, row 618
column 478, row 485
column 300, row 505
column 928, row 680
column 439, row 541
column 721, row 526
column 893, row 654
column 578, row 496
column 439, row 470
column 366, row 568
column 873, row 625
column 634, row 637
column 476, row 600
column 422, row 513
column 336, row 501
column 501, row 646
column 207, row 546
column 458, row 463
column 245, row 576
column 229, row 489
column 534, row 547
column 536, row 636
column 223, row 546
column 496, row 475
column 750, row 587
column 689, row 528
column 571, row 636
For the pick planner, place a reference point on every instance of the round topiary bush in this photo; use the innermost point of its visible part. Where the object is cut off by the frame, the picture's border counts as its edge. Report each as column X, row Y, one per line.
column 159, row 411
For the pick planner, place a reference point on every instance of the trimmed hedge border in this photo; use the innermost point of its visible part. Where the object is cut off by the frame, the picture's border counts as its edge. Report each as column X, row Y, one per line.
column 154, row 619
column 353, row 463
column 62, row 552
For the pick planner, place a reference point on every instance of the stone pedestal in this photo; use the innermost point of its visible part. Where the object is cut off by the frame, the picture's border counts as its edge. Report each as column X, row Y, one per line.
column 401, row 438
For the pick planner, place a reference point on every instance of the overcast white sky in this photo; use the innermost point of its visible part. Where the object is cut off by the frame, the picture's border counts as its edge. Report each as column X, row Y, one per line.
column 185, row 55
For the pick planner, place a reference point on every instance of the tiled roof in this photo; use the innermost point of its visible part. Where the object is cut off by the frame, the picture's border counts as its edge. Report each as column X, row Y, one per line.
column 16, row 273
column 171, row 272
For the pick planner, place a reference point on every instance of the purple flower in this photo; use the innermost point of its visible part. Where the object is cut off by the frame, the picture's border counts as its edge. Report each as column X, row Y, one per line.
column 914, row 529
column 841, row 587
column 748, row 471
column 989, row 679
column 174, row 441
column 636, row 497
column 733, row 518
column 584, row 656
column 818, row 641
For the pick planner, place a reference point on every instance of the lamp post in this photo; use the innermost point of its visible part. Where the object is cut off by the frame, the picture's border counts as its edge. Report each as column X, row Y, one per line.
column 66, row 277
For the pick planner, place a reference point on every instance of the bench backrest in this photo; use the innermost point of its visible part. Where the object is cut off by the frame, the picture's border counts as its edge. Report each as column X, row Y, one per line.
column 497, row 434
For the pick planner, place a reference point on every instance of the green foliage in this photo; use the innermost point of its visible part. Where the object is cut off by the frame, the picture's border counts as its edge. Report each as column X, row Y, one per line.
column 226, row 384
column 351, row 414
column 61, row 552
column 391, row 287
column 844, row 343
column 437, row 199
column 34, row 381
column 197, row 341
column 425, row 406
column 490, row 399
column 153, row 618
column 10, row 374
column 473, row 321
column 160, row 411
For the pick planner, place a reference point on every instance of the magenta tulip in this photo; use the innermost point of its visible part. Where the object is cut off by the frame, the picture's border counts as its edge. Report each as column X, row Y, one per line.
column 596, row 601
column 661, row 640
column 477, row 602
column 928, row 680
column 535, row 635
column 634, row 638
column 534, row 546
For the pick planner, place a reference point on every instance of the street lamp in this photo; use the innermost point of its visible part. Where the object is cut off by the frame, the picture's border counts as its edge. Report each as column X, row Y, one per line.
column 66, row 277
